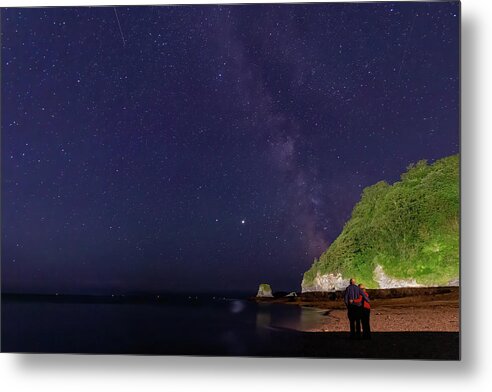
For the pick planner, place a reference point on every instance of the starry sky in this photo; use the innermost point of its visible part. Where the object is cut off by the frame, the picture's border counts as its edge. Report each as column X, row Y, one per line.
column 209, row 148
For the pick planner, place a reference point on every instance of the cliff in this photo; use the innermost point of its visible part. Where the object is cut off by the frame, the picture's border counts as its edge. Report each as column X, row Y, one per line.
column 400, row 235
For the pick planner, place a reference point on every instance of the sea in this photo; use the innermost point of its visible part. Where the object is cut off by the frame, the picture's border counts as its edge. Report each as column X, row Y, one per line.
column 216, row 325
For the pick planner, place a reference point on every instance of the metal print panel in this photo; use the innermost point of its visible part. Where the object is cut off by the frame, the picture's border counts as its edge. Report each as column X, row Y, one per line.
column 243, row 180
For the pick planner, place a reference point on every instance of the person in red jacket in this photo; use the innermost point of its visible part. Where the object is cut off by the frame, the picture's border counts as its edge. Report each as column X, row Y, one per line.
column 365, row 312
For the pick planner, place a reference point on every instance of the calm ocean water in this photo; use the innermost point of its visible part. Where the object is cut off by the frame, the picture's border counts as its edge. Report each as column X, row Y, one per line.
column 201, row 326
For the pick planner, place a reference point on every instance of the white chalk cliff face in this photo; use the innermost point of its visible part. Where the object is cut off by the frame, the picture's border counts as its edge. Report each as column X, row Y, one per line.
column 332, row 282
column 327, row 282
column 264, row 291
column 386, row 282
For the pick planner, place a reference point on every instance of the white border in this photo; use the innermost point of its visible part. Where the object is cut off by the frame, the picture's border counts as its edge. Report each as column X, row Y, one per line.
column 133, row 373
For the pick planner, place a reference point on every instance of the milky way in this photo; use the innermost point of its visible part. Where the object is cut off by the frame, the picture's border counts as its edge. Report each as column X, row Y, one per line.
column 209, row 148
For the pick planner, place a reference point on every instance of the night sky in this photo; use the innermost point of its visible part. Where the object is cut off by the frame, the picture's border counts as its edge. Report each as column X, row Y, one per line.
column 209, row 148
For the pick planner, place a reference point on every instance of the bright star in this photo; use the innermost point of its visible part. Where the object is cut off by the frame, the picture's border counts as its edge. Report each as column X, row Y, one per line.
column 243, row 222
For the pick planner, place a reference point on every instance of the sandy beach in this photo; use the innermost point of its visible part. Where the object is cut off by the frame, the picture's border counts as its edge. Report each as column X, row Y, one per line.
column 406, row 323
column 398, row 310
column 399, row 319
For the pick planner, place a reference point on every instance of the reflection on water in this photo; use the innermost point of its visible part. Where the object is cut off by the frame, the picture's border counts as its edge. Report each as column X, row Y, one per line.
column 263, row 320
column 178, row 326
column 310, row 319
column 274, row 316
column 237, row 306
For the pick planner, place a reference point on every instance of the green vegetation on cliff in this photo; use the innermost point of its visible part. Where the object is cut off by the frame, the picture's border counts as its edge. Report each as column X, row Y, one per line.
column 410, row 228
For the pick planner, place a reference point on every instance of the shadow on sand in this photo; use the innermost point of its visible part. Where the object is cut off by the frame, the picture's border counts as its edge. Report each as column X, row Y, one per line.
column 383, row 345
column 288, row 343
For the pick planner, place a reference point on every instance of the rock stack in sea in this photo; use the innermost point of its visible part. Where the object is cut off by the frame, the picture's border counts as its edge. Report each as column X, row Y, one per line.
column 264, row 291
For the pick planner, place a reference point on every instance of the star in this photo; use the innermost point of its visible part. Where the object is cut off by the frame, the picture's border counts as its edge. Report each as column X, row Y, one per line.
column 218, row 119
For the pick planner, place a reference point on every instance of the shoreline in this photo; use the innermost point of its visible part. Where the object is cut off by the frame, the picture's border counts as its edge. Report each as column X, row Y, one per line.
column 395, row 310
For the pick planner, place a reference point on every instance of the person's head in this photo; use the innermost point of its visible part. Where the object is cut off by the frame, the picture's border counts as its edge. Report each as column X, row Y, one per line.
column 362, row 287
column 352, row 281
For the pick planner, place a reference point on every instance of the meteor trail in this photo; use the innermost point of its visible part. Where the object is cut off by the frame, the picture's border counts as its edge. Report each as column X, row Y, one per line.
column 119, row 25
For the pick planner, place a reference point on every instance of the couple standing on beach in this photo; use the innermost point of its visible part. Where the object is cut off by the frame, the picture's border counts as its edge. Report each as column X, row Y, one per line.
column 358, row 310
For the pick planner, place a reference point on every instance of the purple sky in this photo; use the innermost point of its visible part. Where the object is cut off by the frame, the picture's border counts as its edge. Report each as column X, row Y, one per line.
column 130, row 158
